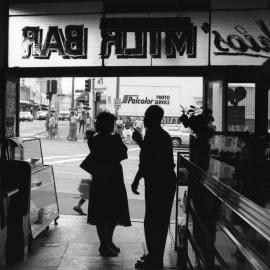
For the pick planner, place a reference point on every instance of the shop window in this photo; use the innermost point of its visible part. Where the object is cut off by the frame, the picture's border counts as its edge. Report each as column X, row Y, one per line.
column 215, row 101
column 241, row 107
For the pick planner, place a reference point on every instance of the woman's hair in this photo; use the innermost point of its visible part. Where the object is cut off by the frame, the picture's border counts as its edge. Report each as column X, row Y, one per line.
column 105, row 122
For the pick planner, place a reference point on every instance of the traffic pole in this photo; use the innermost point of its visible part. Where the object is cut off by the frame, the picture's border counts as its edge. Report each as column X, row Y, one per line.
column 93, row 100
column 117, row 95
column 72, row 93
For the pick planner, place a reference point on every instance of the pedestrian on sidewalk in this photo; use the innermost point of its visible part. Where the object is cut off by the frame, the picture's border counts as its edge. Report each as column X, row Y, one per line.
column 128, row 130
column 88, row 124
column 47, row 118
column 52, row 126
column 72, row 134
column 81, row 122
column 119, row 127
column 108, row 204
column 157, row 168
column 138, row 125
column 78, row 207
column 83, row 188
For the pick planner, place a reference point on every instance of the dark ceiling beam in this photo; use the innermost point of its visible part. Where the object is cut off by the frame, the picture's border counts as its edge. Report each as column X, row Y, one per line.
column 114, row 6
column 49, row 1
column 154, row 6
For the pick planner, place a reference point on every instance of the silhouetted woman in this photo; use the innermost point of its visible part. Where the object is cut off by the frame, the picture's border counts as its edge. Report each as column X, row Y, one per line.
column 108, row 204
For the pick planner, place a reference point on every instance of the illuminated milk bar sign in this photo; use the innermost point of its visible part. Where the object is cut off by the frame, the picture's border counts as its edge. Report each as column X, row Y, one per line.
column 72, row 44
column 242, row 38
column 180, row 37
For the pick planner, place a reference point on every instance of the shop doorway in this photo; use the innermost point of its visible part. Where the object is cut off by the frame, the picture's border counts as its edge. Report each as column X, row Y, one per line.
column 126, row 97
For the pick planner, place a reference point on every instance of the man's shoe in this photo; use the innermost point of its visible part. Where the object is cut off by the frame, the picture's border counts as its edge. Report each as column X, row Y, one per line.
column 146, row 264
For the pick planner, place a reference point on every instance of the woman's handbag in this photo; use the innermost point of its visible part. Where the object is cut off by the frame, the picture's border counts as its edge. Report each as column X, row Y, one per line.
column 84, row 188
column 88, row 164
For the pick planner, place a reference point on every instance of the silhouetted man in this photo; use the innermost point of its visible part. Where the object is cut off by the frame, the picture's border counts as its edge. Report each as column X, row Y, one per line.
column 157, row 168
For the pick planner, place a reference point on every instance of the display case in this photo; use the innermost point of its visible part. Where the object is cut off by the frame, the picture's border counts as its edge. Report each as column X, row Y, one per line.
column 224, row 229
column 44, row 207
column 29, row 149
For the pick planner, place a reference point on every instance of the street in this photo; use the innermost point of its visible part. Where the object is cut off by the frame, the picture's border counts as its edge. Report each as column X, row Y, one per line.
column 65, row 157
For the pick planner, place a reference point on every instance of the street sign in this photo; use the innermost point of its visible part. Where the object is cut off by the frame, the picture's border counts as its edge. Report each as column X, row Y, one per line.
column 100, row 89
column 78, row 91
column 117, row 103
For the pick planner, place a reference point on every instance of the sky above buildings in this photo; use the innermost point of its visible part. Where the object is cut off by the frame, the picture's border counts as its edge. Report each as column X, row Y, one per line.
column 192, row 84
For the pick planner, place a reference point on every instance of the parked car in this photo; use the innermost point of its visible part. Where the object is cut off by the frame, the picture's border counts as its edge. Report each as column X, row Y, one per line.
column 26, row 116
column 179, row 134
column 64, row 115
column 41, row 115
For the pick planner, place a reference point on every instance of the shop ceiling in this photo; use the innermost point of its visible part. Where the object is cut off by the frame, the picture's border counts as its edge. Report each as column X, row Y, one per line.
column 112, row 6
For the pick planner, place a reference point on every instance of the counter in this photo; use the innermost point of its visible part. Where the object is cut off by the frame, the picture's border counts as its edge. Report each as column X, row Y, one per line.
column 224, row 228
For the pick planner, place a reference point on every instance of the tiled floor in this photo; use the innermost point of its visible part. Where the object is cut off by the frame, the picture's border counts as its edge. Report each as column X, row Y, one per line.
column 73, row 245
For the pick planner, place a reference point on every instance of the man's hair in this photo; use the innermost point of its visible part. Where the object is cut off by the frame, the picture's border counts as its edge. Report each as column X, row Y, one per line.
column 105, row 122
column 154, row 113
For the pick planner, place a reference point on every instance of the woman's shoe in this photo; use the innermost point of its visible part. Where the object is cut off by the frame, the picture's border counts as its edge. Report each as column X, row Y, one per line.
column 114, row 247
column 107, row 252
column 144, row 257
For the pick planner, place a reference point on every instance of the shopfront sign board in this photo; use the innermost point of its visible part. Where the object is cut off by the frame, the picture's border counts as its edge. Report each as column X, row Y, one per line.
column 236, row 38
column 240, row 37
column 55, row 41
column 63, row 40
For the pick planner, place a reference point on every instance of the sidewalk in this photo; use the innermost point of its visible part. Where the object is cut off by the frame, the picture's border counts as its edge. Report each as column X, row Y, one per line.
column 73, row 245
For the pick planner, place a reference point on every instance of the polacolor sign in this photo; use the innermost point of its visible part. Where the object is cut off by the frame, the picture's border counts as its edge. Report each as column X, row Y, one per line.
column 136, row 99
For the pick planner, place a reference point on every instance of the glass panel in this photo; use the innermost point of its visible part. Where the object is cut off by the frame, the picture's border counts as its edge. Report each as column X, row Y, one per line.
column 43, row 205
column 31, row 152
column 241, row 107
column 191, row 253
column 214, row 102
column 249, row 237
column 228, row 255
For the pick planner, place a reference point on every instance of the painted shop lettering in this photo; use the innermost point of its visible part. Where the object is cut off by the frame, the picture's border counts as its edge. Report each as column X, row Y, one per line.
column 72, row 44
column 162, row 100
column 134, row 99
column 181, row 41
column 243, row 43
